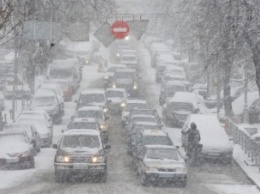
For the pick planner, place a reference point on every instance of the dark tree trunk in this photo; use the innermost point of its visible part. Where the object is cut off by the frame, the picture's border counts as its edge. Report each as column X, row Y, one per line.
column 256, row 59
column 227, row 89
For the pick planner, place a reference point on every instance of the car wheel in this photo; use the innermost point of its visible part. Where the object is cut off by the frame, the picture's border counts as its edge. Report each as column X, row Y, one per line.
column 103, row 178
column 144, row 180
column 58, row 177
column 32, row 163
column 183, row 183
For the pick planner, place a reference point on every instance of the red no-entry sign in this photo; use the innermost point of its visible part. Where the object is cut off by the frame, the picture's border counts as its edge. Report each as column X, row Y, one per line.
column 119, row 29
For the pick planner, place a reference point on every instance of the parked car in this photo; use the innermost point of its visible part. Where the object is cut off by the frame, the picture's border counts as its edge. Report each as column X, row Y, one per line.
column 30, row 129
column 152, row 166
column 93, row 97
column 166, row 57
column 172, row 73
column 61, row 69
column 254, row 112
column 36, row 116
column 177, row 109
column 139, row 118
column 127, row 79
column 48, row 102
column 16, row 149
column 130, row 104
column 66, row 88
column 55, row 88
column 22, row 89
column 210, row 130
column 81, row 152
column 117, row 98
column 168, row 89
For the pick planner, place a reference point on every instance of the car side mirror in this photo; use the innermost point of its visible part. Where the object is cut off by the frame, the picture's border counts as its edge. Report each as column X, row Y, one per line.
column 55, row 146
column 107, row 147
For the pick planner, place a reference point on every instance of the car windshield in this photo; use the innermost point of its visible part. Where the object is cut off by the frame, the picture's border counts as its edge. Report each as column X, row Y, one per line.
column 90, row 114
column 130, row 106
column 82, row 125
column 92, row 98
column 162, row 154
column 60, row 73
column 156, row 140
column 181, row 106
column 80, row 141
column 114, row 94
column 128, row 58
column 126, row 75
column 44, row 101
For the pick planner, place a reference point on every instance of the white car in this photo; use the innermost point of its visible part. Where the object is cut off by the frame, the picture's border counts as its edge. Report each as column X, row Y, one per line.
column 130, row 104
column 215, row 141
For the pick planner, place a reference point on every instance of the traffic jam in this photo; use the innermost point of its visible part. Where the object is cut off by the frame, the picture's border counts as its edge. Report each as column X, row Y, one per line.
column 140, row 100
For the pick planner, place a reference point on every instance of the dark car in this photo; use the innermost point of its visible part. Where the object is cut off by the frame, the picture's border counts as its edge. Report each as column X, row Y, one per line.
column 16, row 149
column 169, row 88
column 109, row 73
column 81, row 153
column 176, row 110
column 117, row 98
column 254, row 112
column 127, row 79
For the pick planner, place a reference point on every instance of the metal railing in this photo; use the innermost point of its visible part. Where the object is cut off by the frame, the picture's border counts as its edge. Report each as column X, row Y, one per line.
column 243, row 138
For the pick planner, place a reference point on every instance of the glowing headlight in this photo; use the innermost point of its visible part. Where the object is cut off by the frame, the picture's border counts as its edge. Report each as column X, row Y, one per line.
column 63, row 159
column 122, row 104
column 87, row 61
column 106, row 77
column 114, row 86
column 105, row 109
column 98, row 159
column 127, row 38
column 103, row 126
column 118, row 55
column 135, row 86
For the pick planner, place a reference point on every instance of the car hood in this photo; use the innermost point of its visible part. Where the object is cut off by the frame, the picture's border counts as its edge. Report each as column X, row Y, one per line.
column 169, row 164
column 124, row 81
column 14, row 149
column 115, row 100
column 182, row 112
column 100, row 104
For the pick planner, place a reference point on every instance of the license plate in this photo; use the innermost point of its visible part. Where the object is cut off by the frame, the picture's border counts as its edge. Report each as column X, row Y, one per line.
column 12, row 160
column 166, row 175
column 80, row 166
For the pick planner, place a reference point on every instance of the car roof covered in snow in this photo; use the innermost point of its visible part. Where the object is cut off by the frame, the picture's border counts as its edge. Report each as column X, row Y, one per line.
column 86, row 120
column 81, row 132
column 174, row 83
column 126, row 70
column 154, row 132
column 174, row 67
column 136, row 101
column 93, row 91
column 87, row 108
column 187, row 97
column 146, row 123
column 116, row 89
column 142, row 116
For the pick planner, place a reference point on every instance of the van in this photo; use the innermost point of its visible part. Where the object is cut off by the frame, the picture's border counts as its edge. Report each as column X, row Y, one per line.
column 214, row 140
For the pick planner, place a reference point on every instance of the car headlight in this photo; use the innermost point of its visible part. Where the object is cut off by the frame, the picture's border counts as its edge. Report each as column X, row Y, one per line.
column 87, row 61
column 135, row 86
column 118, row 54
column 105, row 109
column 103, row 126
column 98, row 159
column 62, row 159
column 106, row 77
column 123, row 104
column 114, row 86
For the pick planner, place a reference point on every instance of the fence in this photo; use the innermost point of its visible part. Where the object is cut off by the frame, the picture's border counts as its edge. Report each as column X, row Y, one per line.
column 243, row 138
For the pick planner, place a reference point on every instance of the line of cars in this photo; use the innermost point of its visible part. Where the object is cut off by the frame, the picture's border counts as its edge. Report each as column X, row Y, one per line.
column 181, row 103
column 33, row 128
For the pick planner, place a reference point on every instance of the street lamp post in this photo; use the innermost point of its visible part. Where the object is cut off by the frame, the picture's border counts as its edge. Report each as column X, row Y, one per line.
column 245, row 111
